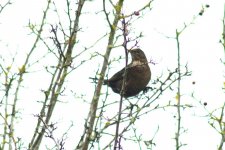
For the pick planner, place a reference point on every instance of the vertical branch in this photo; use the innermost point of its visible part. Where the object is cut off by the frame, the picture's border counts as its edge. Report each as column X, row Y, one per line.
column 223, row 34
column 22, row 71
column 222, row 128
column 5, row 115
column 221, row 124
column 14, row 141
column 177, row 136
column 124, row 29
column 178, row 96
column 84, row 143
column 58, row 79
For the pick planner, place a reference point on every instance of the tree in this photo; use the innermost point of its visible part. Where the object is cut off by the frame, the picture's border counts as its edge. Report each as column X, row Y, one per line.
column 47, row 87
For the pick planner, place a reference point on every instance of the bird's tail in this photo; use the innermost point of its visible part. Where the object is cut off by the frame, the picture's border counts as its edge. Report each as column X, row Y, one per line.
column 95, row 80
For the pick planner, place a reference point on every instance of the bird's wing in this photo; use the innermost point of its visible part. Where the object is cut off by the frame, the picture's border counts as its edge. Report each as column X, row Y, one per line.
column 117, row 76
column 120, row 74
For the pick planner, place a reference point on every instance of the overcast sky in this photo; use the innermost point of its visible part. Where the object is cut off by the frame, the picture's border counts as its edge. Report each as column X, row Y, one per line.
column 200, row 49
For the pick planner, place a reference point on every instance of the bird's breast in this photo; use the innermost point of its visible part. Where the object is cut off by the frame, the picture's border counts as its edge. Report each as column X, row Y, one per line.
column 137, row 63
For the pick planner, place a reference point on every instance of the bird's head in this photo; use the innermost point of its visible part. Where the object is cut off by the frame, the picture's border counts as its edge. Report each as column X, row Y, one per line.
column 138, row 55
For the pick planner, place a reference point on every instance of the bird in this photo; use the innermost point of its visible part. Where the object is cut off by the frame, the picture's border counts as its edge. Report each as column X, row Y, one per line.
column 138, row 75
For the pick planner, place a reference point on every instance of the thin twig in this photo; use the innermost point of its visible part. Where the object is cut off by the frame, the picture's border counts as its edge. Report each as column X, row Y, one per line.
column 124, row 25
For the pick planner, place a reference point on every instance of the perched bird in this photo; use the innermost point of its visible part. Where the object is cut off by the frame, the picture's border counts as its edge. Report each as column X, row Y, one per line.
column 138, row 75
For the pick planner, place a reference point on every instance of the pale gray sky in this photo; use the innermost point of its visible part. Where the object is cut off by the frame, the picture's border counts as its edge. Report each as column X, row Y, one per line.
column 200, row 48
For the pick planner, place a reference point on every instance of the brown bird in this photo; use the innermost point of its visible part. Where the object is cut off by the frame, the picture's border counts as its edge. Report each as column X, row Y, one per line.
column 138, row 75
